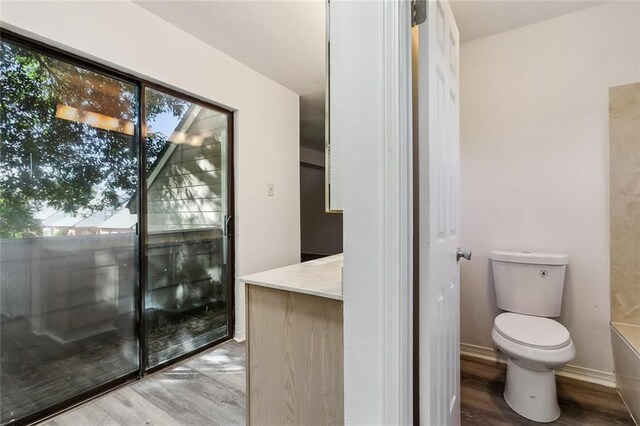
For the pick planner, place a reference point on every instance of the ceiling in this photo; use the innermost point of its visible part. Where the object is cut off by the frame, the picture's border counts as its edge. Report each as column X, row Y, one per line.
column 285, row 39
column 482, row 18
column 281, row 39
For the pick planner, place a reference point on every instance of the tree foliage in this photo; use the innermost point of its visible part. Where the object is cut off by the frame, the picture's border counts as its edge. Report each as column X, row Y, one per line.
column 66, row 165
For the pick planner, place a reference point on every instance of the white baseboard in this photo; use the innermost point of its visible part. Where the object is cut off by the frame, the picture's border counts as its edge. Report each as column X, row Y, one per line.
column 603, row 378
column 482, row 352
column 239, row 336
column 598, row 377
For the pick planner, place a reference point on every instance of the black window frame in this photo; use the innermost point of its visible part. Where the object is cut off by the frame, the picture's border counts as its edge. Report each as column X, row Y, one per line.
column 141, row 230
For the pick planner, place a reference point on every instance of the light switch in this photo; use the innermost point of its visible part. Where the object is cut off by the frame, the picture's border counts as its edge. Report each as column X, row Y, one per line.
column 271, row 190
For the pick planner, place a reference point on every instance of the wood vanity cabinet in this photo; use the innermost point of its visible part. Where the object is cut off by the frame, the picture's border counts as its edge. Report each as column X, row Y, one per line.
column 294, row 357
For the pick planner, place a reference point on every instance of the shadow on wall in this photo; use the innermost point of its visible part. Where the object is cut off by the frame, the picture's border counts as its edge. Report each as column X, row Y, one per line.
column 568, row 293
column 491, row 290
column 321, row 233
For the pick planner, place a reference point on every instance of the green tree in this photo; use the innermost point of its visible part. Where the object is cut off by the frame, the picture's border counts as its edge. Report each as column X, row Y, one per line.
column 16, row 219
column 64, row 164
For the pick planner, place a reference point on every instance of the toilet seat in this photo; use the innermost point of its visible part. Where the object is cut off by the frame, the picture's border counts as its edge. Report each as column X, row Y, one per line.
column 532, row 331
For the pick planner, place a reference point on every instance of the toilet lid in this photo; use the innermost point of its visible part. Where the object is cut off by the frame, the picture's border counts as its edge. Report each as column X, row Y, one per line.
column 532, row 331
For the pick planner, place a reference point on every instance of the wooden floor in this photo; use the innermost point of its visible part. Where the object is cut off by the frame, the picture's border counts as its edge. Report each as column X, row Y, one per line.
column 209, row 389
column 582, row 403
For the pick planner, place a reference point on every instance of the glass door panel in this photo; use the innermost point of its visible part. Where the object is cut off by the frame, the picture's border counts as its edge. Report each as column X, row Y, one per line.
column 68, row 247
column 187, row 283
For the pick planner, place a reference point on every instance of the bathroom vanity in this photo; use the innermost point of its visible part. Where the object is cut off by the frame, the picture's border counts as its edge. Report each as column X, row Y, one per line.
column 295, row 344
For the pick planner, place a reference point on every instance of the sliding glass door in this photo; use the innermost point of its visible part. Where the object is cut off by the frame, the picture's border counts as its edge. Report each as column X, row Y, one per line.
column 115, row 256
column 68, row 247
column 187, row 282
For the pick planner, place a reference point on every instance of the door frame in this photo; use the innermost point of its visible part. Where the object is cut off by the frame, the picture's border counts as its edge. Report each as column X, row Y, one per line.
column 398, row 234
column 142, row 220
column 371, row 109
column 140, row 83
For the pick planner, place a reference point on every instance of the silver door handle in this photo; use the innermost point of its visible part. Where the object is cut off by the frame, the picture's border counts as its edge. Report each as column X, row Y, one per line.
column 466, row 254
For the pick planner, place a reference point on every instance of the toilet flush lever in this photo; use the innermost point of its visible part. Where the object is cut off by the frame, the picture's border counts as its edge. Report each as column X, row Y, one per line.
column 466, row 254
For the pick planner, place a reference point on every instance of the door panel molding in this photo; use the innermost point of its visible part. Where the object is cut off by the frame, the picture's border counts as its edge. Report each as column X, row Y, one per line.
column 438, row 116
column 397, row 158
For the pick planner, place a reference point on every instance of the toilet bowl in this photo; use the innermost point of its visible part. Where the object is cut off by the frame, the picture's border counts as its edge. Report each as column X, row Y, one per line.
column 529, row 288
column 535, row 347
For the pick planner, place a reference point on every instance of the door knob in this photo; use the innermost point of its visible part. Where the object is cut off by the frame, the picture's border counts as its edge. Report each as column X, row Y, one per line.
column 466, row 254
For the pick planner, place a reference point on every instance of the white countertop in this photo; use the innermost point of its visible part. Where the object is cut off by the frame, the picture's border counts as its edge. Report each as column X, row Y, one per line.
column 320, row 277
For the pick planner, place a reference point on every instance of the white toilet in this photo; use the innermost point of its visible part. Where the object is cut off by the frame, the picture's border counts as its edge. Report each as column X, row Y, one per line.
column 529, row 287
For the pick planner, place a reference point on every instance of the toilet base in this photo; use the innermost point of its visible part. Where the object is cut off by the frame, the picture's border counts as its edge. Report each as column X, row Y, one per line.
column 532, row 394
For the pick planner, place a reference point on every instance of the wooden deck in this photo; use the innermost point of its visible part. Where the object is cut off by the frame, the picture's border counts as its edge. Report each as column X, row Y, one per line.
column 38, row 372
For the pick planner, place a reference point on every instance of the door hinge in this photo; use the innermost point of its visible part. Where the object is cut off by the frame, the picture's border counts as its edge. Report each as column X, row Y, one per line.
column 418, row 12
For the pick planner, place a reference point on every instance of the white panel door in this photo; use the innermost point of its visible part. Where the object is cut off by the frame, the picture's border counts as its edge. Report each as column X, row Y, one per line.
column 438, row 118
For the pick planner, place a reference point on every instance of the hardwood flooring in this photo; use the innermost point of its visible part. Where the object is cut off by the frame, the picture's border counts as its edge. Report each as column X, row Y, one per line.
column 582, row 403
column 209, row 389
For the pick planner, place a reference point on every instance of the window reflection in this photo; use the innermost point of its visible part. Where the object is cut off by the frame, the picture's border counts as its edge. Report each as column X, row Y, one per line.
column 69, row 256
column 68, row 269
column 186, row 299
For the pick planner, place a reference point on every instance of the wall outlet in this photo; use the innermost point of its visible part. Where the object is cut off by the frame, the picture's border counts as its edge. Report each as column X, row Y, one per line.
column 271, row 190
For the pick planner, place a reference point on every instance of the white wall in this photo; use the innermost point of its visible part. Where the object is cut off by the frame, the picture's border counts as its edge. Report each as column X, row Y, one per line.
column 370, row 121
column 356, row 58
column 127, row 37
column 534, row 161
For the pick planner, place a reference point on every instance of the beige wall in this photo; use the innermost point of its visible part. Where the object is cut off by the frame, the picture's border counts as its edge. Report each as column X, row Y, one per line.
column 534, row 161
column 624, row 199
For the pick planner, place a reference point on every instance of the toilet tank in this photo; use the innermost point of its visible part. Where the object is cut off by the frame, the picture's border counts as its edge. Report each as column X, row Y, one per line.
column 529, row 283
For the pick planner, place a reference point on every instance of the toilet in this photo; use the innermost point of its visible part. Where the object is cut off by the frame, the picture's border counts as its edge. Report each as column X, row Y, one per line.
column 529, row 288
